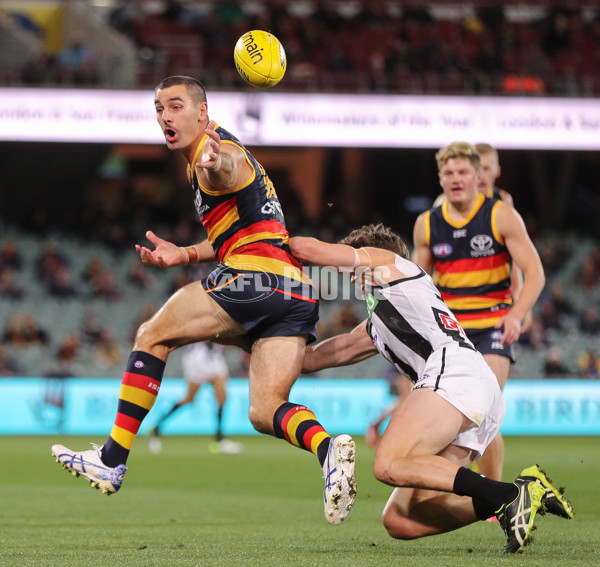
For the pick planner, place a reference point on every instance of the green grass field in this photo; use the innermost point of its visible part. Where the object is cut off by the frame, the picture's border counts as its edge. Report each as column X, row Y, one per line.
column 263, row 508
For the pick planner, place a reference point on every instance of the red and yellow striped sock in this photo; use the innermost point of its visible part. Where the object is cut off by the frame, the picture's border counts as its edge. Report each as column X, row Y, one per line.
column 139, row 388
column 299, row 426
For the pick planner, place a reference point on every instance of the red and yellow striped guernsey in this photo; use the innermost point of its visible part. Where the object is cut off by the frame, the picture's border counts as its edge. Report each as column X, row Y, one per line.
column 245, row 225
column 471, row 263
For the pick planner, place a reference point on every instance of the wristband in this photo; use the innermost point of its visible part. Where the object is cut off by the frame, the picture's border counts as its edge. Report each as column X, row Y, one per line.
column 354, row 266
column 187, row 255
column 193, row 254
column 368, row 256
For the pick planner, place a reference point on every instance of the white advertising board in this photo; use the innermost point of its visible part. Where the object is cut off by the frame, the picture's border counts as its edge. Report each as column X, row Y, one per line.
column 285, row 119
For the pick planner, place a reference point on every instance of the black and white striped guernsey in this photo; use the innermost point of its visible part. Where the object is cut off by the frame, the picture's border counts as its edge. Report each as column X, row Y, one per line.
column 408, row 320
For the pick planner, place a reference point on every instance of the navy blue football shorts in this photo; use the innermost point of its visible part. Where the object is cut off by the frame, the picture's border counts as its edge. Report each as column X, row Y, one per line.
column 265, row 304
column 489, row 341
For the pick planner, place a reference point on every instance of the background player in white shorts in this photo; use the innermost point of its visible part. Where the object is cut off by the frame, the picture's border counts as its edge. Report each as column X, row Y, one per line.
column 454, row 409
column 202, row 363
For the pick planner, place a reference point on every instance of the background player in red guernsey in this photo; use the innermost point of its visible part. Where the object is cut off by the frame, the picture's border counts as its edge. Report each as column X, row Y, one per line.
column 469, row 244
column 257, row 297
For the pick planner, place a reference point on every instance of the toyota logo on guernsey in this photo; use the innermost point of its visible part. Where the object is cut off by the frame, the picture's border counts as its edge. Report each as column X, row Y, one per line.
column 482, row 245
column 442, row 250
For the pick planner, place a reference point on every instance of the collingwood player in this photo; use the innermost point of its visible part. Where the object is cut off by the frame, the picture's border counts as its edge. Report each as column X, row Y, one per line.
column 453, row 411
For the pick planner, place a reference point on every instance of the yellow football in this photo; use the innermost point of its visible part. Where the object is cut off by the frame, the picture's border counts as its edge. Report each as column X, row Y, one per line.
column 260, row 59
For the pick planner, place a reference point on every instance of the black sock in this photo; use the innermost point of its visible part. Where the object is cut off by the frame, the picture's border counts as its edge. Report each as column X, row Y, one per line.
column 494, row 492
column 219, row 432
column 322, row 450
column 483, row 509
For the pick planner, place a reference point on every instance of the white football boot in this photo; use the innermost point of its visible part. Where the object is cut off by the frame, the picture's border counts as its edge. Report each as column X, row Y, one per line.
column 340, row 480
column 88, row 464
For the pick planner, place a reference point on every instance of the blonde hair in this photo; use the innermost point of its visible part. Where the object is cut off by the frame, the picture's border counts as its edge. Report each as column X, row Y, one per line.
column 486, row 149
column 458, row 150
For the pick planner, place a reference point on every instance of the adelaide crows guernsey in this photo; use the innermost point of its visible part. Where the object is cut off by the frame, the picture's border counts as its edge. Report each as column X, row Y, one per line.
column 408, row 321
column 493, row 193
column 245, row 224
column 471, row 263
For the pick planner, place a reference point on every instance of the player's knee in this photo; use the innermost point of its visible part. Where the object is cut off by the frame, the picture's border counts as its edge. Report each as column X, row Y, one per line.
column 382, row 469
column 149, row 336
column 143, row 335
column 400, row 527
column 261, row 421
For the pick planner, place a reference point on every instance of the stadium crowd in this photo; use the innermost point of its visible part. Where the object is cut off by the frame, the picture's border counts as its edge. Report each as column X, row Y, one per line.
column 360, row 46
column 77, row 306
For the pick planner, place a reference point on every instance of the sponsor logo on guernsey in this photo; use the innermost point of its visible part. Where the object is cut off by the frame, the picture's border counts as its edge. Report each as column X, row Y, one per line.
column 460, row 233
column 200, row 208
column 441, row 250
column 481, row 245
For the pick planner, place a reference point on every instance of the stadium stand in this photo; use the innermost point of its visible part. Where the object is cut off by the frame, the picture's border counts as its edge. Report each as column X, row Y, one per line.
column 533, row 49
column 64, row 317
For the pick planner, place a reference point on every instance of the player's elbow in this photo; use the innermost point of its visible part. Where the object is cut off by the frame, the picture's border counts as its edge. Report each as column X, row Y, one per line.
column 310, row 363
column 303, row 248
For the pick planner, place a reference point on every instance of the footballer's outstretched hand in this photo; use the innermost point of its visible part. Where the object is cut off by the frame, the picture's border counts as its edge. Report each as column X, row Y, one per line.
column 165, row 254
column 210, row 157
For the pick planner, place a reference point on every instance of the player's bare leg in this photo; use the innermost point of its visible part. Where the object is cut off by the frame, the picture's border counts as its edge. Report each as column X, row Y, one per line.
column 188, row 315
column 435, row 491
column 275, row 364
column 221, row 443
column 415, row 455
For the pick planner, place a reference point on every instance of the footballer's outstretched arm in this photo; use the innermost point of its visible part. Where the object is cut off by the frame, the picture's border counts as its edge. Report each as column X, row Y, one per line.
column 341, row 350
column 341, row 256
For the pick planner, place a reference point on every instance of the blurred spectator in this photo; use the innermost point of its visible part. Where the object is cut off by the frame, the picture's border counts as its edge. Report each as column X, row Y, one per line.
column 76, row 65
column 122, row 18
column 49, row 262
column 175, row 11
column 388, row 48
column 535, row 337
column 589, row 321
column 91, row 329
column 8, row 366
column 549, row 317
column 104, row 286
column 140, row 277
column 590, row 270
column 554, row 366
column 65, row 364
column 589, row 364
column 23, row 330
column 558, row 298
column 39, row 71
column 62, row 286
column 9, row 286
column 550, row 258
column 93, row 268
column 557, row 35
column 107, row 352
column 10, row 257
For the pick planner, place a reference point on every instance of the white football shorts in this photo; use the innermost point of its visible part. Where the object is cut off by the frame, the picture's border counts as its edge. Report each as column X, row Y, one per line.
column 202, row 364
column 463, row 378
